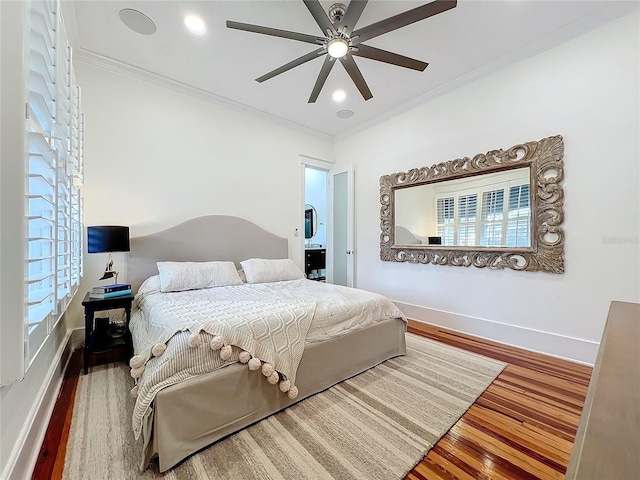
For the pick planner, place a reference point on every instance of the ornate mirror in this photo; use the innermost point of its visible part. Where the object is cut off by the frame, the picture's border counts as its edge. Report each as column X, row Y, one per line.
column 502, row 209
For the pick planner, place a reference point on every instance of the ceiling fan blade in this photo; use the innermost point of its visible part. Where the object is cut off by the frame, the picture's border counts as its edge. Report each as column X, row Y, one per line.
column 320, row 16
column 402, row 20
column 352, row 69
column 328, row 64
column 275, row 32
column 350, row 19
column 292, row 64
column 385, row 56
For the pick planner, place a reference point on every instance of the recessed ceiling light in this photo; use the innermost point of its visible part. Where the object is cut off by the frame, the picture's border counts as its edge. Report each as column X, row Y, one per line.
column 137, row 21
column 339, row 96
column 195, row 24
column 345, row 113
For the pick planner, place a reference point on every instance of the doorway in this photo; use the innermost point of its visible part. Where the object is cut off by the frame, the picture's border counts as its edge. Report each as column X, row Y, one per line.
column 327, row 222
column 316, row 216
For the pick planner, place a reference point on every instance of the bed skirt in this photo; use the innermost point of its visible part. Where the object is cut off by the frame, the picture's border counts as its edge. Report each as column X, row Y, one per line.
column 193, row 414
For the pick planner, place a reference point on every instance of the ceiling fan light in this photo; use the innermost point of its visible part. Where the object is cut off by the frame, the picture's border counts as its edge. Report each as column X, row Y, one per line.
column 337, row 47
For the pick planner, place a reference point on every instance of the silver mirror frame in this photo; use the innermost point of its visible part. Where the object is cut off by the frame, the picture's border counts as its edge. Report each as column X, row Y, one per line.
column 545, row 159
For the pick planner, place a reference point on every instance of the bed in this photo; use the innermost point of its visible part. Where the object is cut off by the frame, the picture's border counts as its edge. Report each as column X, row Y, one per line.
column 195, row 407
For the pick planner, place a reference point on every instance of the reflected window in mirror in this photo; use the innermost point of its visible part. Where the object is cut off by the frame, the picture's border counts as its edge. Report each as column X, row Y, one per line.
column 491, row 210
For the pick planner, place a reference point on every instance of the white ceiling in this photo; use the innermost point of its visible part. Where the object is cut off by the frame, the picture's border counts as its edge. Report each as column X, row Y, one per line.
column 471, row 40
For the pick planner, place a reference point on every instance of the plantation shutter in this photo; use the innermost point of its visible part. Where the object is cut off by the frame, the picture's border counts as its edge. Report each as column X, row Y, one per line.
column 54, row 207
column 491, row 218
column 467, row 207
column 445, row 216
column 518, row 218
column 42, row 173
column 62, row 141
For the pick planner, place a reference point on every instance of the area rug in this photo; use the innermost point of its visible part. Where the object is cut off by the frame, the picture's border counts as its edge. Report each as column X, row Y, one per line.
column 376, row 425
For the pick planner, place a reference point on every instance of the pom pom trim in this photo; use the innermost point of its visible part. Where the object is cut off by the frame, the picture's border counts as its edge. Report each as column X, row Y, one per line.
column 285, row 386
column 216, row 343
column 273, row 378
column 158, row 349
column 225, row 352
column 254, row 363
column 195, row 340
column 293, row 393
column 267, row 369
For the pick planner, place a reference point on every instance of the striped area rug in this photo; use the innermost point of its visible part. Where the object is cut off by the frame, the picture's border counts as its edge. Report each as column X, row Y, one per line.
column 376, row 425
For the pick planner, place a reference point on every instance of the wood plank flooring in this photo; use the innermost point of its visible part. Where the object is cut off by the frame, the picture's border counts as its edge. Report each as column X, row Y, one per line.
column 522, row 427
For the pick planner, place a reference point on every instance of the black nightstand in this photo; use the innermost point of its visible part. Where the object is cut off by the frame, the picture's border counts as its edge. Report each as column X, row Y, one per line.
column 96, row 341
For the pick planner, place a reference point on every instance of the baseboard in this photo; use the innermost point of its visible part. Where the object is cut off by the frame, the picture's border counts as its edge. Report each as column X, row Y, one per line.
column 24, row 461
column 77, row 338
column 560, row 346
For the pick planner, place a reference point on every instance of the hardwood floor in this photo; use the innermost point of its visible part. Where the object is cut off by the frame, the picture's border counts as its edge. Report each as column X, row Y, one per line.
column 522, row 427
column 50, row 462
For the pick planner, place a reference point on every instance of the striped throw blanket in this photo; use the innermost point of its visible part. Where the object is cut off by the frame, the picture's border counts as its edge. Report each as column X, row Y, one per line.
column 269, row 336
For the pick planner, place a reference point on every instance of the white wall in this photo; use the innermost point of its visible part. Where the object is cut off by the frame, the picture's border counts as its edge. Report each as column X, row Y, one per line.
column 155, row 157
column 587, row 91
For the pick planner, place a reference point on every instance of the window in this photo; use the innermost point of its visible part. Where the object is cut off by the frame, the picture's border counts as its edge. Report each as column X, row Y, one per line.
column 518, row 234
column 445, row 213
column 491, row 219
column 466, row 225
column 54, row 169
column 494, row 215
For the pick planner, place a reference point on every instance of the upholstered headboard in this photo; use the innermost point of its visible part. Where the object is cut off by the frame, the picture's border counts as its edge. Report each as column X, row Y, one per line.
column 212, row 237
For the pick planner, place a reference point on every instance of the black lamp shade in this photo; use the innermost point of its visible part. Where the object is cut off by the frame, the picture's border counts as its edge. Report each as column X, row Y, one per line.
column 107, row 238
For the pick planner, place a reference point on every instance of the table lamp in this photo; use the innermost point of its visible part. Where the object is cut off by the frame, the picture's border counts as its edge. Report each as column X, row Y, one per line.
column 108, row 239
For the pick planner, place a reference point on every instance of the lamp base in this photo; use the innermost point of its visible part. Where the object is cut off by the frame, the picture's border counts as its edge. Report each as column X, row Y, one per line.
column 109, row 271
column 110, row 274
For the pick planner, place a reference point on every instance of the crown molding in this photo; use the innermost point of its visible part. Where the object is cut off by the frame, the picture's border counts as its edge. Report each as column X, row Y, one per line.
column 602, row 17
column 94, row 59
column 608, row 14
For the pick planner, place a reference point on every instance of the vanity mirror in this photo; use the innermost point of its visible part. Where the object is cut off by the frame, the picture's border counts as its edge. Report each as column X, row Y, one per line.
column 502, row 209
column 310, row 221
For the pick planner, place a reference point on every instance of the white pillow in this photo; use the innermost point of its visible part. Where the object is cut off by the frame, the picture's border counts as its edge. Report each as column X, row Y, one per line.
column 179, row 276
column 262, row 270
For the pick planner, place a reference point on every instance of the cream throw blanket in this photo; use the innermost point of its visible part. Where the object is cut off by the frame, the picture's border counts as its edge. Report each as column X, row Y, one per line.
column 272, row 332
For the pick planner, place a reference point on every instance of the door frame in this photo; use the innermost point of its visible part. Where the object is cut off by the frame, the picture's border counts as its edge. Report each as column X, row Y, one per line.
column 318, row 164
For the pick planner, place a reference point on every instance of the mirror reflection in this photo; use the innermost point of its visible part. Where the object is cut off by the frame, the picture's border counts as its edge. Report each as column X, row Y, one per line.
column 488, row 210
column 310, row 221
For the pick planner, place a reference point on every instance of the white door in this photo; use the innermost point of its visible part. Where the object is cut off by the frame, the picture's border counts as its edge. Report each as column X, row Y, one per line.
column 341, row 240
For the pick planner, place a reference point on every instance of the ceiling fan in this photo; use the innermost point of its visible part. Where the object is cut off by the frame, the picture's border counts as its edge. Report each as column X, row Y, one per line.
column 341, row 40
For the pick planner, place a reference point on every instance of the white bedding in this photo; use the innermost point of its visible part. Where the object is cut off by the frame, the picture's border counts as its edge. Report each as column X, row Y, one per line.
column 338, row 310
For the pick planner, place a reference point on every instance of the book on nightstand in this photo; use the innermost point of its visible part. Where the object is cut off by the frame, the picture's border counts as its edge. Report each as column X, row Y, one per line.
column 117, row 293
column 114, row 287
